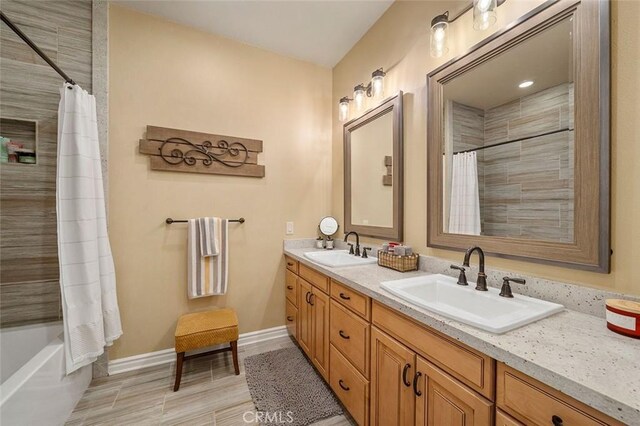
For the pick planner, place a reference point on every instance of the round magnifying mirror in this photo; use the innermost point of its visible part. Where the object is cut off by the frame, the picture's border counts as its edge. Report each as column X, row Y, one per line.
column 328, row 226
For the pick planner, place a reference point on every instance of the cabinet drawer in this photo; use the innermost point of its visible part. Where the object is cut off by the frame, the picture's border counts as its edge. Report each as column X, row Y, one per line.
column 355, row 301
column 350, row 387
column 533, row 402
column 291, row 289
column 292, row 265
column 292, row 319
column 314, row 277
column 472, row 368
column 503, row 419
column 350, row 334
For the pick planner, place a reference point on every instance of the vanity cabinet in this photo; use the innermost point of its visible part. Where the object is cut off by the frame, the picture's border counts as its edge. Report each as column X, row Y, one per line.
column 320, row 331
column 313, row 319
column 304, row 317
column 534, row 403
column 392, row 370
column 503, row 419
column 349, row 386
column 387, row 369
column 350, row 337
column 442, row 400
column 406, row 389
column 472, row 368
column 292, row 319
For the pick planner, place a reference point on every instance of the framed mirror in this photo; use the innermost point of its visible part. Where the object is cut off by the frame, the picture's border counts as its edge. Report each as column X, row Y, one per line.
column 373, row 172
column 518, row 141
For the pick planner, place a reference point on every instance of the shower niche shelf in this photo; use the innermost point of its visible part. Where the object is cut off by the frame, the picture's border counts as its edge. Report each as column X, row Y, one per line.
column 18, row 141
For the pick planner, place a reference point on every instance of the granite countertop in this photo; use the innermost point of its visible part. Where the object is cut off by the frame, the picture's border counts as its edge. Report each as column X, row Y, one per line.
column 571, row 351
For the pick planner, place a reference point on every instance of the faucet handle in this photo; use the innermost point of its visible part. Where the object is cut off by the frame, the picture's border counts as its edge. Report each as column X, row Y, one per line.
column 364, row 252
column 462, row 278
column 505, row 291
column 350, row 248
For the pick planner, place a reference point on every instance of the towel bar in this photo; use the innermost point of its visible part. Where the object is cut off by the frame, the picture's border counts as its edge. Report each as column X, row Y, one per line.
column 169, row 221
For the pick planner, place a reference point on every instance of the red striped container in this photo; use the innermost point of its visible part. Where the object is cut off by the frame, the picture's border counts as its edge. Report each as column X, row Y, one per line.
column 623, row 316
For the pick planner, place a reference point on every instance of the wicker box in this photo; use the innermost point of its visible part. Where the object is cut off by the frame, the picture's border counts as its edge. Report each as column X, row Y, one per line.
column 399, row 263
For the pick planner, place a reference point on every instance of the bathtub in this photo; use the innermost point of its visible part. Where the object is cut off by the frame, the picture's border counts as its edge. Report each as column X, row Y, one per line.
column 34, row 388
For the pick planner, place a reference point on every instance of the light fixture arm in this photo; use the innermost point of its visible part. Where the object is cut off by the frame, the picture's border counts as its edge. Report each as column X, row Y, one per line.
column 467, row 8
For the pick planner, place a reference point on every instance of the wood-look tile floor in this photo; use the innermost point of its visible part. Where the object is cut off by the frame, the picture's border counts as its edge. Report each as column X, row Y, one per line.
column 210, row 394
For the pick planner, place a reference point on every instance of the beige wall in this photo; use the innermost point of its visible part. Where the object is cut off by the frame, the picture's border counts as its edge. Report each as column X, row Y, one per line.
column 168, row 75
column 399, row 42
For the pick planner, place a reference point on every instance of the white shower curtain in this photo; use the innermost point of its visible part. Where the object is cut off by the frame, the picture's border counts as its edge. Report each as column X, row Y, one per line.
column 87, row 276
column 464, row 212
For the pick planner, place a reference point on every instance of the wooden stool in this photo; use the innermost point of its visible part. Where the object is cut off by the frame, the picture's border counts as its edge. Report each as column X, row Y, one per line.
column 204, row 329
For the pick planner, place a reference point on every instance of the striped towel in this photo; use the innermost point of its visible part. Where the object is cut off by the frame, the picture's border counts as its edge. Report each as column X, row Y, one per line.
column 209, row 235
column 208, row 259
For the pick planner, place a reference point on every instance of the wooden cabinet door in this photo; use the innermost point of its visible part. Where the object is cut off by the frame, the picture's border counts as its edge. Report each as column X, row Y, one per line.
column 320, row 331
column 442, row 400
column 392, row 366
column 304, row 316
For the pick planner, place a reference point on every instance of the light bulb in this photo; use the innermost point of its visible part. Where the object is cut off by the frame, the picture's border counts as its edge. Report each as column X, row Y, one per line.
column 377, row 83
column 439, row 40
column 358, row 96
column 484, row 14
column 439, row 26
column 343, row 109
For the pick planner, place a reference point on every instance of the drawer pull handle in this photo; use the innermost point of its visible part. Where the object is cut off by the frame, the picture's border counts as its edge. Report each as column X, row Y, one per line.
column 311, row 296
column 342, row 385
column 290, row 287
column 290, row 319
column 556, row 420
column 289, row 264
column 306, row 297
column 344, row 336
column 415, row 384
column 406, row 381
column 344, row 296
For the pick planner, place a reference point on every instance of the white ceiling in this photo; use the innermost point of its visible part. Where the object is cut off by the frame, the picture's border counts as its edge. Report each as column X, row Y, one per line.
column 318, row 31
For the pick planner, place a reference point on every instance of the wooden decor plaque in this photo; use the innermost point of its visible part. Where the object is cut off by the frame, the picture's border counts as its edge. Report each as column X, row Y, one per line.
column 194, row 152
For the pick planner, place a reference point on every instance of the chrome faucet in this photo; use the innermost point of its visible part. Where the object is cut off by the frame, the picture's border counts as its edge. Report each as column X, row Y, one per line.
column 481, row 284
column 351, row 251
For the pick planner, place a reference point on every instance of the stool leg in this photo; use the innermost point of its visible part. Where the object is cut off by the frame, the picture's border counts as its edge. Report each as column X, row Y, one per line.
column 234, row 353
column 179, row 360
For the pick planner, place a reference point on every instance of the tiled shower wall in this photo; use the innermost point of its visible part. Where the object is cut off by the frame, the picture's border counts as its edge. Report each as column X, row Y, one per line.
column 526, row 187
column 29, row 289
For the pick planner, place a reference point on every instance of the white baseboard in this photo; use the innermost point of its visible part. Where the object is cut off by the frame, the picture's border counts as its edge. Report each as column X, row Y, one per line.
column 166, row 356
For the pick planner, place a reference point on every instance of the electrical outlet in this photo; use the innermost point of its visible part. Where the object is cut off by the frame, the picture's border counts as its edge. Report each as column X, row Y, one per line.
column 289, row 228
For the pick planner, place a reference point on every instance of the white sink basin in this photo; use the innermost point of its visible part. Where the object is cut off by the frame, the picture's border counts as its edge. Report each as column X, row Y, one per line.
column 338, row 258
column 482, row 309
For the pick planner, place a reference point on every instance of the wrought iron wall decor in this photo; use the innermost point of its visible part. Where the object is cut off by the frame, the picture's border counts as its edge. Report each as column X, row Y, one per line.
column 186, row 151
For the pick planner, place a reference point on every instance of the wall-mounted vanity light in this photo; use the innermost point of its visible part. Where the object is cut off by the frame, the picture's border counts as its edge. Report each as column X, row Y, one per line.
column 439, row 26
column 484, row 15
column 375, row 89
column 343, row 108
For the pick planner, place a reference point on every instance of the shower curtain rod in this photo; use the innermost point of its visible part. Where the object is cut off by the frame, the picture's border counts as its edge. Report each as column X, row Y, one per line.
column 513, row 141
column 35, row 48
